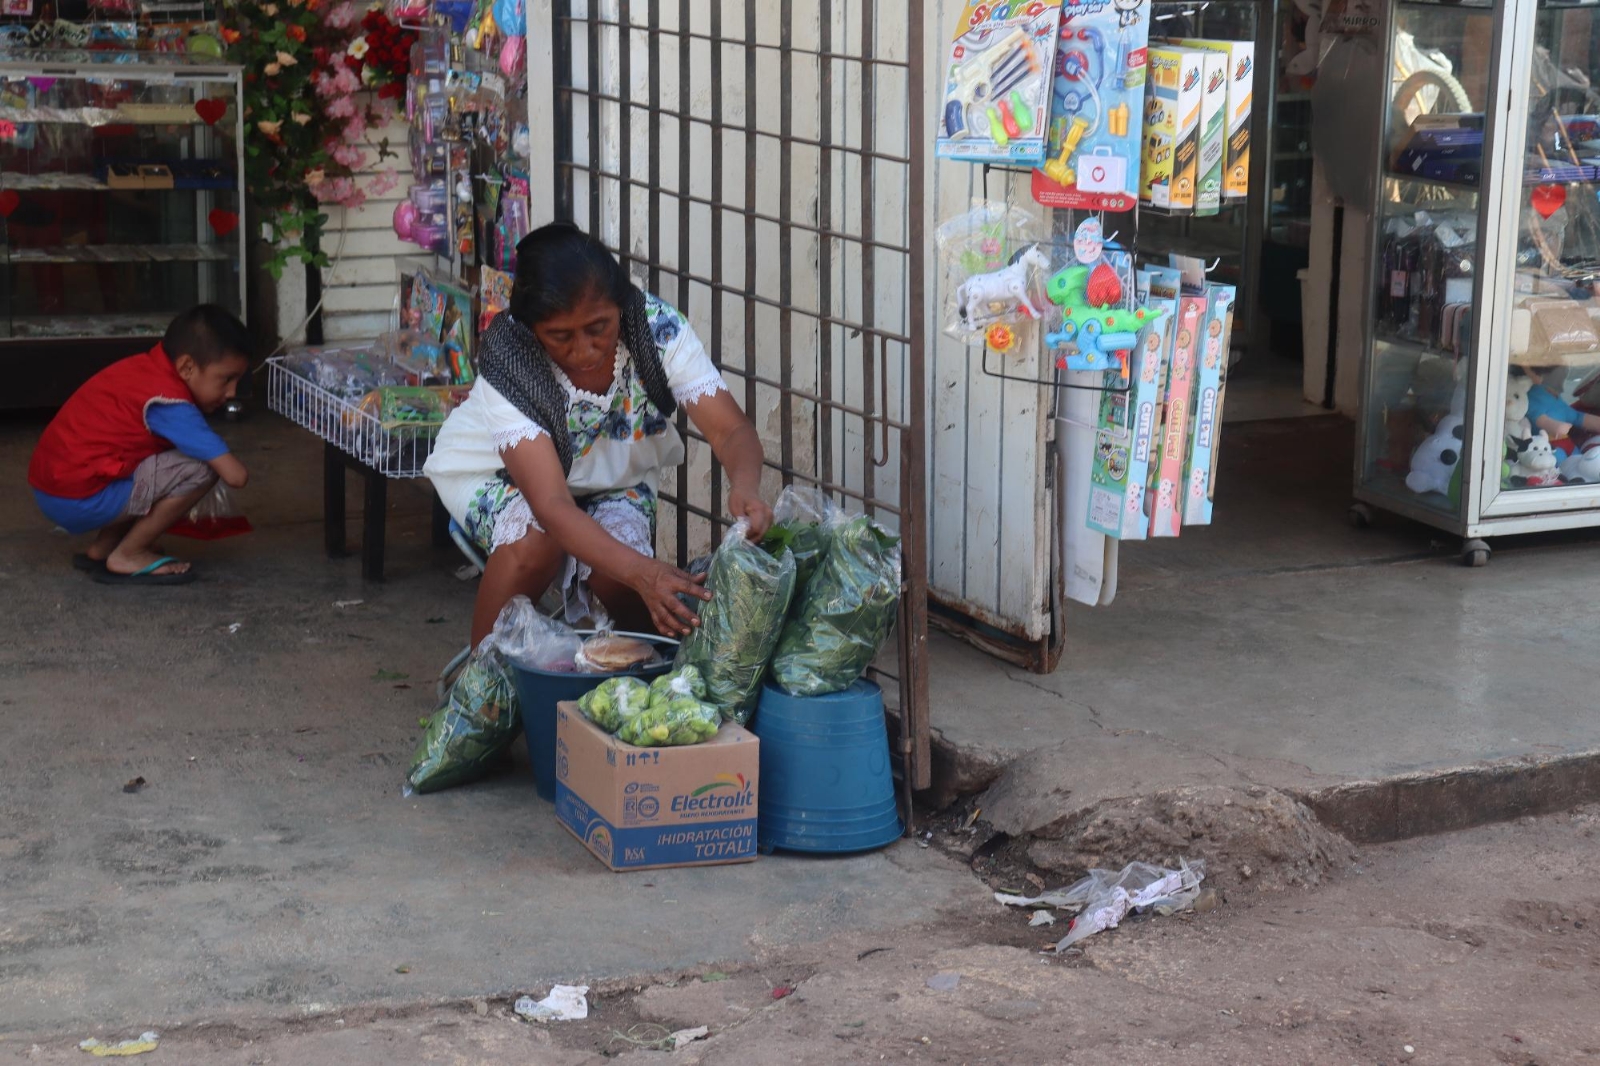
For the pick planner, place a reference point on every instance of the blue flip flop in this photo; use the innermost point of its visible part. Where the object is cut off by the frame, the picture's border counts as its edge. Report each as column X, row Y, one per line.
column 145, row 576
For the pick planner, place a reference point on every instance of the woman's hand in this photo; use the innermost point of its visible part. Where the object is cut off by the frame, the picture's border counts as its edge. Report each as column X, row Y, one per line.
column 658, row 585
column 753, row 509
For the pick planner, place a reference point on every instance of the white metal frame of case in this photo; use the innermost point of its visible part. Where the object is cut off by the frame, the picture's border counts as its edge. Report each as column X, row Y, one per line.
column 1486, row 509
column 154, row 71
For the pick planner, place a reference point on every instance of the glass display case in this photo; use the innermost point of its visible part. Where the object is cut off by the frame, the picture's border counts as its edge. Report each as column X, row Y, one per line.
column 120, row 178
column 1479, row 398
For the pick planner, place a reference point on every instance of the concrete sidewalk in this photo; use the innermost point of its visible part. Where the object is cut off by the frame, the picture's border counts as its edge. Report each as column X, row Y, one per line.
column 1282, row 647
column 270, row 866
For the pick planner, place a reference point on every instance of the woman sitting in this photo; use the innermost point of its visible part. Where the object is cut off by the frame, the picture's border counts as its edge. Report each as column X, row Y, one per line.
column 552, row 463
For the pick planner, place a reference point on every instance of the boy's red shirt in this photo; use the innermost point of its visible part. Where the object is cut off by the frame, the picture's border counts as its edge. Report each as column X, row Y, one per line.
column 99, row 435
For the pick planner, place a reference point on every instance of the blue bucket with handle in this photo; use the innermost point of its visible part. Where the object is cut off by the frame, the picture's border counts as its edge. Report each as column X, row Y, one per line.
column 826, row 784
column 538, row 692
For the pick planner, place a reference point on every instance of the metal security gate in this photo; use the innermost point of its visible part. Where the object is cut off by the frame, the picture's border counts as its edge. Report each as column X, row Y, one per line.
column 758, row 163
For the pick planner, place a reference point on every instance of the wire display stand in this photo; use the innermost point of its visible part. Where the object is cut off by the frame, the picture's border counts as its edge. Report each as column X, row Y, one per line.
column 395, row 450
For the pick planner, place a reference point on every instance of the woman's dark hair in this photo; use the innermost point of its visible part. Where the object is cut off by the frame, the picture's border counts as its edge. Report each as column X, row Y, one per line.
column 558, row 265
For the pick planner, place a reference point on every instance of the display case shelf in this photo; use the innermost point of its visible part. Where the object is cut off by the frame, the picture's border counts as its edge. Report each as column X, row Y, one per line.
column 123, row 253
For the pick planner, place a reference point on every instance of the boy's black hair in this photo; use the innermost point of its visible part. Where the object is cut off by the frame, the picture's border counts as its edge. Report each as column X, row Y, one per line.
column 206, row 333
column 557, row 265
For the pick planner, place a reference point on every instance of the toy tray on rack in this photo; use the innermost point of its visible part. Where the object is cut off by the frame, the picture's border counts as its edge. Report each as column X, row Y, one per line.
column 395, row 450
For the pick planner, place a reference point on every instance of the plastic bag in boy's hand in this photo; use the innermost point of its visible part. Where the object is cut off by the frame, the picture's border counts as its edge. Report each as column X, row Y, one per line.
column 671, row 723
column 215, row 516
column 739, row 625
column 614, row 701
column 844, row 614
column 475, row 724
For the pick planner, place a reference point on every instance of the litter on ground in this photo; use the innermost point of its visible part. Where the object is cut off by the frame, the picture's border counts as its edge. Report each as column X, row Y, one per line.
column 147, row 1041
column 565, row 1003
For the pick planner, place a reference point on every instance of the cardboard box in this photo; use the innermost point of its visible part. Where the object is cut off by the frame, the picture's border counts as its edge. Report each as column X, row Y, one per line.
column 1173, row 94
column 1206, row 423
column 1241, row 69
column 643, row 808
column 1213, row 134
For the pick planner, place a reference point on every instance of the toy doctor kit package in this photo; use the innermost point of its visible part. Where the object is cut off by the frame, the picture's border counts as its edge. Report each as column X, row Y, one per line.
column 1174, row 88
column 1096, row 107
column 1207, row 421
column 1241, row 73
column 997, row 83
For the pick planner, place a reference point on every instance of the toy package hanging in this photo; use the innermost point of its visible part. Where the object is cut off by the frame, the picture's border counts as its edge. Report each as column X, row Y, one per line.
column 997, row 83
column 1240, row 66
column 992, row 273
column 1207, row 422
column 1099, row 322
column 1166, row 517
column 1096, row 107
column 1172, row 102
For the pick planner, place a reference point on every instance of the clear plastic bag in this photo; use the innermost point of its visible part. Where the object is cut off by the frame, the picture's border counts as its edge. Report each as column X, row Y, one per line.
column 669, row 723
column 535, row 641
column 475, row 724
column 800, row 523
column 991, row 271
column 614, row 701
column 739, row 626
column 216, row 516
column 845, row 612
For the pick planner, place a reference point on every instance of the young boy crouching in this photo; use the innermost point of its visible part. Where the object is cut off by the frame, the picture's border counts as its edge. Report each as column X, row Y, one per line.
column 130, row 452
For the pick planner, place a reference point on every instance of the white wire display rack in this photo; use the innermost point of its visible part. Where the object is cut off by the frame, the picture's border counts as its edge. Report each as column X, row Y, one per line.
column 394, row 450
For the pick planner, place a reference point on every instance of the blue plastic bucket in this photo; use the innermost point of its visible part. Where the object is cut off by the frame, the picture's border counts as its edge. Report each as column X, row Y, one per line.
column 826, row 785
column 538, row 692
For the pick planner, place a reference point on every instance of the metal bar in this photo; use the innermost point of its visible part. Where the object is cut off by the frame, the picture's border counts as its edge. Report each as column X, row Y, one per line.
column 374, row 512
column 869, row 288
column 625, row 124
column 914, row 714
column 760, row 216
column 835, row 405
column 684, row 177
column 691, row 117
column 749, row 222
column 785, row 236
column 809, row 479
column 562, row 108
column 824, row 236
column 332, row 499
column 592, row 149
column 716, row 235
column 654, row 212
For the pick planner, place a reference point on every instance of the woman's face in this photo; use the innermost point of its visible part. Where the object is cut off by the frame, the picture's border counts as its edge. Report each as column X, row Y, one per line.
column 583, row 338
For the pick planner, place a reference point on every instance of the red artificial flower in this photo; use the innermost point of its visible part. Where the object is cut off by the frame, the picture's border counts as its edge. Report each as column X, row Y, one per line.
column 297, row 32
column 230, row 35
column 394, row 90
column 319, row 56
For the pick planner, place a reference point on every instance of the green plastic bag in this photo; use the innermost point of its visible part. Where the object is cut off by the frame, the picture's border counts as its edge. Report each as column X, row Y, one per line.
column 671, row 723
column 614, row 701
column 844, row 614
column 476, row 722
column 739, row 626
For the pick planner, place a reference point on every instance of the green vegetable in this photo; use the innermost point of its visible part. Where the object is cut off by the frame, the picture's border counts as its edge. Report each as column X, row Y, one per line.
column 807, row 540
column 684, row 681
column 844, row 614
column 614, row 701
column 740, row 625
column 474, row 724
column 671, row 723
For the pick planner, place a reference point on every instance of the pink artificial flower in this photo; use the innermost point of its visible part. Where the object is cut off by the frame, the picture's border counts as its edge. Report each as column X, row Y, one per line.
column 355, row 130
column 345, row 81
column 384, row 181
column 341, row 107
column 348, row 155
column 343, row 16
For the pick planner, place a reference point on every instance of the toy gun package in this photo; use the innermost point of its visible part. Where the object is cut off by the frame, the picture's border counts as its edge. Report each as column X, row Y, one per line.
column 997, row 83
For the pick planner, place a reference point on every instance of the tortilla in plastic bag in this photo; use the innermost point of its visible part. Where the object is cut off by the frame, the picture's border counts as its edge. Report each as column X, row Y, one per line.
column 473, row 726
column 844, row 614
column 739, row 626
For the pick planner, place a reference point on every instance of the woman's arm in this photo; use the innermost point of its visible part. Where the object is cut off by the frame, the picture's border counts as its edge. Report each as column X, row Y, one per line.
column 536, row 470
column 737, row 446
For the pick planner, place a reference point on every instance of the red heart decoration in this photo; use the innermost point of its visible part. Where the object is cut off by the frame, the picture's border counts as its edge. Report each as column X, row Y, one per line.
column 222, row 222
column 1104, row 287
column 210, row 111
column 9, row 199
column 1547, row 199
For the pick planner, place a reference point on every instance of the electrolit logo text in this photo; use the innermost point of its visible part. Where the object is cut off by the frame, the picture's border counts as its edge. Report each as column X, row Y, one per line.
column 725, row 792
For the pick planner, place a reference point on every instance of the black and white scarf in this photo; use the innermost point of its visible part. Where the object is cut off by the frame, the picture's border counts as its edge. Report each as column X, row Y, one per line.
column 511, row 359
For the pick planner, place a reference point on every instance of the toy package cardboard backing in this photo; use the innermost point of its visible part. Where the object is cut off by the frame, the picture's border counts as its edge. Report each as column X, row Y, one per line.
column 1241, row 73
column 1206, row 423
column 1166, row 517
column 1096, row 107
column 997, row 83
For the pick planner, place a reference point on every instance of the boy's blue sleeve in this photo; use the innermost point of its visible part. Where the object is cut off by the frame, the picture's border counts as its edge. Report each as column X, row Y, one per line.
column 186, row 428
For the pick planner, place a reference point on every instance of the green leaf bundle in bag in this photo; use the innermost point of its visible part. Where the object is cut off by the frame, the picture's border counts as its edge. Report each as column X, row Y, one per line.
column 614, row 701
column 477, row 720
column 739, row 626
column 800, row 523
column 844, row 614
column 671, row 723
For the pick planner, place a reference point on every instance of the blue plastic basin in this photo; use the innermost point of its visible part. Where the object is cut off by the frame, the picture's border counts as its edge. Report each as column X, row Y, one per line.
column 826, row 785
column 538, row 692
